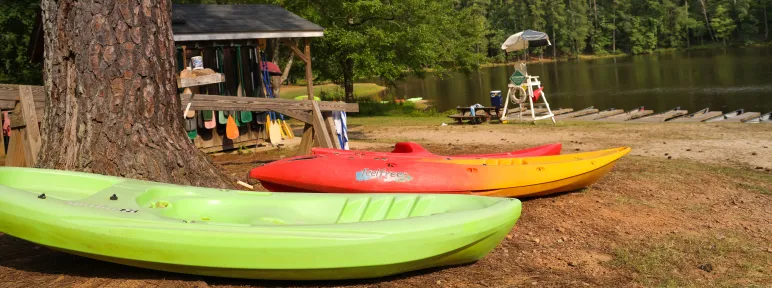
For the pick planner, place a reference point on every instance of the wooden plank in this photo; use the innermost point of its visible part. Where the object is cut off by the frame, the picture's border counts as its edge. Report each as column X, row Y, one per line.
column 307, row 141
column 321, row 132
column 15, row 157
column 309, row 72
column 17, row 118
column 330, row 125
column 743, row 117
column 697, row 117
column 662, row 117
column 576, row 113
column 10, row 92
column 7, row 104
column 295, row 49
column 300, row 115
column 226, row 103
column 32, row 134
column 200, row 80
column 598, row 115
column 2, row 137
column 626, row 116
column 562, row 111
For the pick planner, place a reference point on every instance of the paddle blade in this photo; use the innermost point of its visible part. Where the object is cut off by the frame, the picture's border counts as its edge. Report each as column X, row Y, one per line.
column 231, row 130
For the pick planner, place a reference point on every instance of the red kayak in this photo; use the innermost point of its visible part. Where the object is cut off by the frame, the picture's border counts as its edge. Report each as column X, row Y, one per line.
column 507, row 177
column 414, row 150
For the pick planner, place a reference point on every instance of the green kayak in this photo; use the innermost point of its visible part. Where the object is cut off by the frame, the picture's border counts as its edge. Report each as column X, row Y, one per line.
column 240, row 234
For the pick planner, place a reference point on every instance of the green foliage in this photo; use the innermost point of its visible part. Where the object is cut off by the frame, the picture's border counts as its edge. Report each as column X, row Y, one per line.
column 722, row 24
column 368, row 108
column 393, row 39
column 17, row 18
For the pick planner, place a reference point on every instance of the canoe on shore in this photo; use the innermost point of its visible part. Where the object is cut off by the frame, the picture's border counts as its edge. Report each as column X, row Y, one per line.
column 241, row 234
column 506, row 177
column 414, row 150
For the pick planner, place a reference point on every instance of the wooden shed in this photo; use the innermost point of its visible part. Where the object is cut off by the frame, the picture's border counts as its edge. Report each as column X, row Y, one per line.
column 234, row 40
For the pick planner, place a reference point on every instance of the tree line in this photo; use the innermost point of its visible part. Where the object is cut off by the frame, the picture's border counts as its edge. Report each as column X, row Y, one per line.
column 625, row 26
column 392, row 39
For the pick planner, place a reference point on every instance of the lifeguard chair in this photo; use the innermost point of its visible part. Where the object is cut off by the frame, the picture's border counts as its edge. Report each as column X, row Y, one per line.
column 521, row 83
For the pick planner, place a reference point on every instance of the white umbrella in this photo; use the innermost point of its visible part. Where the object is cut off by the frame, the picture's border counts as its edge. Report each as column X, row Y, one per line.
column 525, row 39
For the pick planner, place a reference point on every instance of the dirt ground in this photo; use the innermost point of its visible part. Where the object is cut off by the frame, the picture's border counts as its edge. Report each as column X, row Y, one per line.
column 690, row 206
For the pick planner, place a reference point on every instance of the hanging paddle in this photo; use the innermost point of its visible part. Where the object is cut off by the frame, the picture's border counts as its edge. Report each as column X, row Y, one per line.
column 231, row 130
column 275, row 129
column 221, row 117
column 246, row 116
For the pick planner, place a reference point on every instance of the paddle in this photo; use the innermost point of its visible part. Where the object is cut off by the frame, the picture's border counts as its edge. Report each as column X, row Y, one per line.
column 275, row 131
column 246, row 116
column 221, row 117
column 231, row 130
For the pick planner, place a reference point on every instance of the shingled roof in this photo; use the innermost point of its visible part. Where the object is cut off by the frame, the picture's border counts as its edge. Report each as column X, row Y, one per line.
column 196, row 22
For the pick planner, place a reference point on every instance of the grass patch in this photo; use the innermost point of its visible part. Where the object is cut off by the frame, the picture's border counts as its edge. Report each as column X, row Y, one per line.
column 675, row 261
column 361, row 90
column 407, row 109
column 744, row 178
column 397, row 121
column 601, row 56
column 621, row 199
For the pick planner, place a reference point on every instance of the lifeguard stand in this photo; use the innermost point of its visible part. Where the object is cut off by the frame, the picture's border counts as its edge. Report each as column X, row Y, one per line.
column 522, row 83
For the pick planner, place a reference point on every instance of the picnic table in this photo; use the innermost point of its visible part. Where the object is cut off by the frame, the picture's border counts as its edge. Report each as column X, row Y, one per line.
column 482, row 114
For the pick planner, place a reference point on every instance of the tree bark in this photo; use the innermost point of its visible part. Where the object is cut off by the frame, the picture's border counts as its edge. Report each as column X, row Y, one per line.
column 348, row 79
column 111, row 105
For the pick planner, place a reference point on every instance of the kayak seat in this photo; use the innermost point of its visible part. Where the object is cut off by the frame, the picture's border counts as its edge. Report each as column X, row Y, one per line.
column 365, row 209
column 409, row 147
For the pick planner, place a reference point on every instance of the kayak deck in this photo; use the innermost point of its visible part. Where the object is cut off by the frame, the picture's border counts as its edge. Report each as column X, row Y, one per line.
column 264, row 235
column 509, row 177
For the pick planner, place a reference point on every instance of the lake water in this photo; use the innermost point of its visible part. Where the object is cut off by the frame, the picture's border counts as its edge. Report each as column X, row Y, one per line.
column 725, row 79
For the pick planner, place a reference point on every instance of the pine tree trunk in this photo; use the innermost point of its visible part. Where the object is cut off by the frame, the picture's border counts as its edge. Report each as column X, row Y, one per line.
column 614, row 31
column 766, row 22
column 112, row 105
column 348, row 79
column 554, row 46
column 707, row 22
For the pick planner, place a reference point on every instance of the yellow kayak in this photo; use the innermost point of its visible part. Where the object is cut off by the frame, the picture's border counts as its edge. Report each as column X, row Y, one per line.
column 538, row 176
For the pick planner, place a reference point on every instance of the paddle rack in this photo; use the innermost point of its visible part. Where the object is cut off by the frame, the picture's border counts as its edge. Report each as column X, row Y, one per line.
column 27, row 104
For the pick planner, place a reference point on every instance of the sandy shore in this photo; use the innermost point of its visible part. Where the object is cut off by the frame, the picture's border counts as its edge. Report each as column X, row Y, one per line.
column 690, row 206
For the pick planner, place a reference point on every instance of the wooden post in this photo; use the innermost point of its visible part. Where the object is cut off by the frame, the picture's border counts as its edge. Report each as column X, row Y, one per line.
column 320, row 127
column 307, row 142
column 32, row 135
column 309, row 75
column 330, row 125
column 2, row 136
column 16, row 157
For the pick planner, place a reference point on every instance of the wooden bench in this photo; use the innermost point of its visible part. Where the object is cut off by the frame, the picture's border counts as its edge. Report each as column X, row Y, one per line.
column 475, row 119
column 482, row 114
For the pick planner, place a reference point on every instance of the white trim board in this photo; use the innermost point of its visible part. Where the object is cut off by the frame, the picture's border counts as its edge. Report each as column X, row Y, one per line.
column 247, row 35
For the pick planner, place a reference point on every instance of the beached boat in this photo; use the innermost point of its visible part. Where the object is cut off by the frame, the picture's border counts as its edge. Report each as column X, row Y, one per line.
column 240, row 234
column 764, row 118
column 509, row 177
column 725, row 116
column 414, row 150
